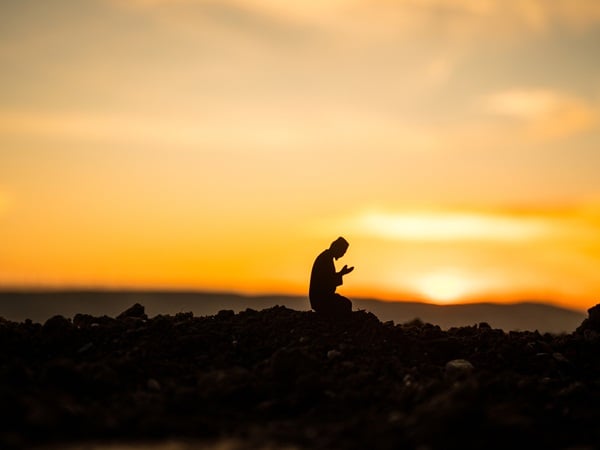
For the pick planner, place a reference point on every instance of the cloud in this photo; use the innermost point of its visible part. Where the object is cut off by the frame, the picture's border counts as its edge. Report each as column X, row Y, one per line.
column 566, row 225
column 387, row 18
column 533, row 15
column 224, row 19
column 372, row 48
column 523, row 103
column 546, row 113
column 242, row 129
column 451, row 226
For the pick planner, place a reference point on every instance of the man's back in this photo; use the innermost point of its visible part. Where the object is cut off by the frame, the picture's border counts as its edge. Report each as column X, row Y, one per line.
column 322, row 276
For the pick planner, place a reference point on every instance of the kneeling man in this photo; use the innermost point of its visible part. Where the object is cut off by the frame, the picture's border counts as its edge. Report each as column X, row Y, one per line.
column 324, row 279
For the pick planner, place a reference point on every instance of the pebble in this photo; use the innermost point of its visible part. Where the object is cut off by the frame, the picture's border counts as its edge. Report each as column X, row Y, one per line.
column 137, row 311
column 333, row 354
column 459, row 367
column 85, row 348
column 153, row 385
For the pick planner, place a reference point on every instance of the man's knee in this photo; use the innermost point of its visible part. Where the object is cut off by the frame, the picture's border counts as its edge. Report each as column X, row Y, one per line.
column 332, row 306
column 343, row 302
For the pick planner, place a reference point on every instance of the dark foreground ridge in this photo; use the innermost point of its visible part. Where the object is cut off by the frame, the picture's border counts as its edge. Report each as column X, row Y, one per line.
column 281, row 377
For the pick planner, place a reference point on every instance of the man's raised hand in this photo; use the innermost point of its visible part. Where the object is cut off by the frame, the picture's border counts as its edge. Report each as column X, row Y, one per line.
column 346, row 270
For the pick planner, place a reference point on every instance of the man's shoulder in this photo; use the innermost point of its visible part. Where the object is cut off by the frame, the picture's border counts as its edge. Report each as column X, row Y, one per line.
column 323, row 257
column 324, row 254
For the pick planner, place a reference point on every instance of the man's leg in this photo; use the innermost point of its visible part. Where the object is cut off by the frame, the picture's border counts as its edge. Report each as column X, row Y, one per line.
column 333, row 306
column 342, row 304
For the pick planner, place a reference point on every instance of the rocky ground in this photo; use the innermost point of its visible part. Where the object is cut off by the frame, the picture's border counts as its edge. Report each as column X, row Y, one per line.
column 283, row 378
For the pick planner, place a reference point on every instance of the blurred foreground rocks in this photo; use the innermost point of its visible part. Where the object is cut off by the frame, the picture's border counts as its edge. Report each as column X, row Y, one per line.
column 282, row 378
column 591, row 325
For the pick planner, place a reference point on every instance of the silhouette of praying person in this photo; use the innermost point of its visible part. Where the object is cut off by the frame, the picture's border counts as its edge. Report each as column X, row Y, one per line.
column 324, row 279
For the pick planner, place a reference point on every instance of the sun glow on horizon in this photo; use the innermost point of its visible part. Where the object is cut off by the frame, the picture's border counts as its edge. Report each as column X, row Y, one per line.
column 445, row 286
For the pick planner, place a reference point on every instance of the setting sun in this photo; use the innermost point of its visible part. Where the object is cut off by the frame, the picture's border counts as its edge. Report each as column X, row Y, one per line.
column 444, row 287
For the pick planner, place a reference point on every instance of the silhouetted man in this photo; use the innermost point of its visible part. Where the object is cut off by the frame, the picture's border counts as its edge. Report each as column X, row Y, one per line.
column 324, row 279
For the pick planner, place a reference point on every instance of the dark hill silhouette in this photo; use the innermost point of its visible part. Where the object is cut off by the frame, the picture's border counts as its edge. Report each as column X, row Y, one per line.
column 515, row 316
column 39, row 306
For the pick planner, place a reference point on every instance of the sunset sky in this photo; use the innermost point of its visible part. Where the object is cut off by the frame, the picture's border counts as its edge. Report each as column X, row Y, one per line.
column 221, row 145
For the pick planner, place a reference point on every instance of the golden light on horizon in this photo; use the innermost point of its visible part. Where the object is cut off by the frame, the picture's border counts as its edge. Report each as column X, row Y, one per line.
column 444, row 286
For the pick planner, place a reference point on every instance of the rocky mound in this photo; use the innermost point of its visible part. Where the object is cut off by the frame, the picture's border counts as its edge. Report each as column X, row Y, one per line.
column 284, row 377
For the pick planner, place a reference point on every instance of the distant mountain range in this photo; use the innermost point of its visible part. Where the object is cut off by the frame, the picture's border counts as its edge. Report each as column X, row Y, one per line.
column 39, row 306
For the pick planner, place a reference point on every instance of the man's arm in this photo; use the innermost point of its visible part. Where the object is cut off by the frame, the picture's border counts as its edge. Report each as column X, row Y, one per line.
column 345, row 270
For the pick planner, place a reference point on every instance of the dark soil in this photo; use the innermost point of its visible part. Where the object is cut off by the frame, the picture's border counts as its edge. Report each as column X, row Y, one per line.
column 286, row 377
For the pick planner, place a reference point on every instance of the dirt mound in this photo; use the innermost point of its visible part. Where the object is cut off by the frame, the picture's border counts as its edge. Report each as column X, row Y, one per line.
column 292, row 378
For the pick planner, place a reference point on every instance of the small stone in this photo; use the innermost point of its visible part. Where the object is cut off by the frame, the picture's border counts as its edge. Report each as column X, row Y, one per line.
column 137, row 311
column 594, row 315
column 592, row 322
column 57, row 323
column 395, row 417
column 458, row 367
column 591, row 335
column 153, row 385
column 559, row 357
column 85, row 348
column 349, row 365
column 266, row 406
column 225, row 314
column 184, row 316
column 82, row 320
column 576, row 390
column 333, row 354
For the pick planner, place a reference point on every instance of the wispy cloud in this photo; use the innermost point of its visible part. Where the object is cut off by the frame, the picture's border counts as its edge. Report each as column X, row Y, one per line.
column 229, row 20
column 546, row 113
column 239, row 130
column 419, row 42
column 453, row 226
column 568, row 224
column 382, row 19
column 525, row 103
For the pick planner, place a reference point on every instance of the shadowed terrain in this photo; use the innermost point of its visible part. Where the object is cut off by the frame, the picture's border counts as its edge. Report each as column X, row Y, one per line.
column 280, row 377
column 40, row 306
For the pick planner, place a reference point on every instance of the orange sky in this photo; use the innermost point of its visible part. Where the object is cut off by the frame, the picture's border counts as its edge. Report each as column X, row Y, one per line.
column 223, row 145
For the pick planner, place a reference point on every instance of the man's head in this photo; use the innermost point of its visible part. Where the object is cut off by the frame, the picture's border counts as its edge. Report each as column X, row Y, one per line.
column 338, row 247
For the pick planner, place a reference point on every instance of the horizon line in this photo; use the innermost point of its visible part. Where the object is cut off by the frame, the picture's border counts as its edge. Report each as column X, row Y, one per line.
column 497, row 300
